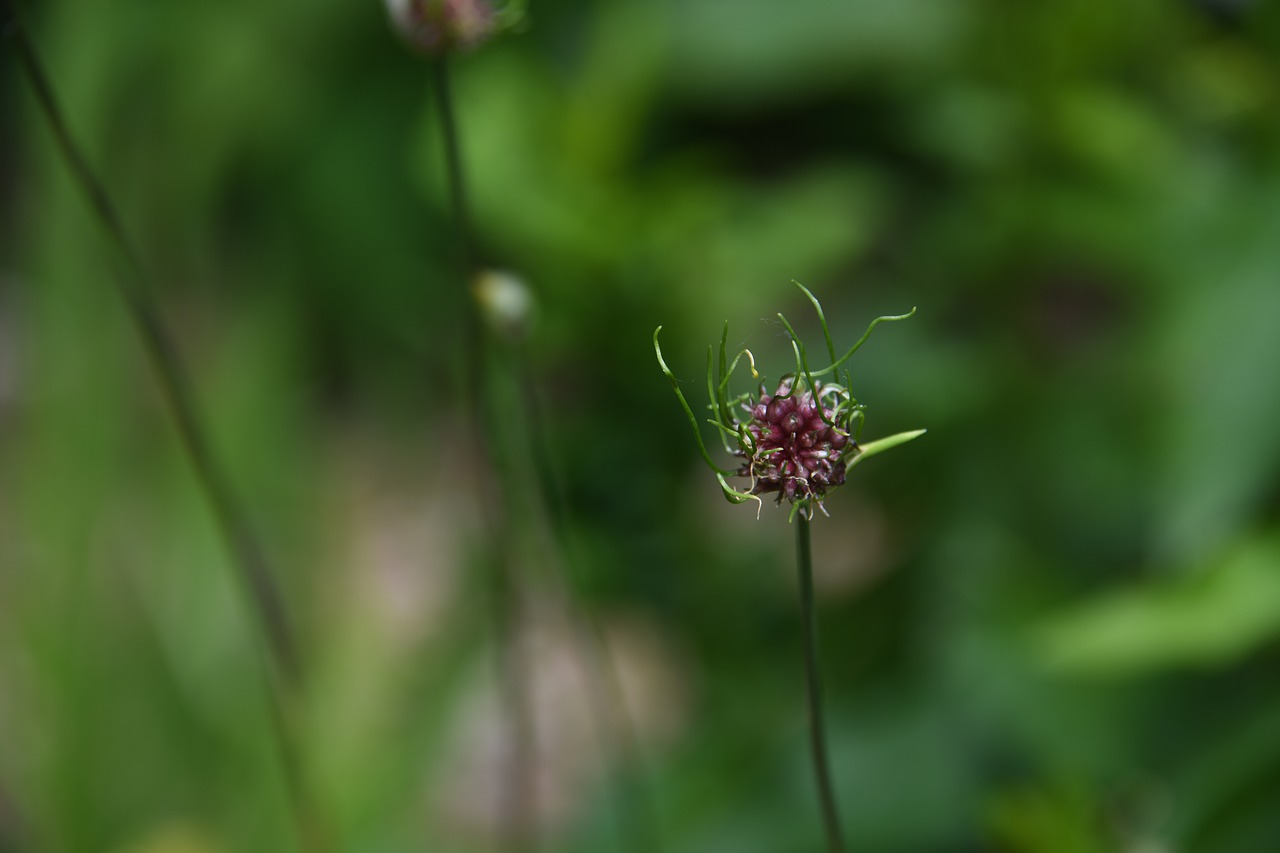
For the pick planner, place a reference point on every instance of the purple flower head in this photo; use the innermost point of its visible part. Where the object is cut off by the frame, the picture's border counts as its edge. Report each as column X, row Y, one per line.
column 443, row 26
column 798, row 442
column 795, row 448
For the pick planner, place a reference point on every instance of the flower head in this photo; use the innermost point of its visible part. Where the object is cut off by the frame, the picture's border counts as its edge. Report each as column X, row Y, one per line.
column 797, row 442
column 443, row 26
column 795, row 449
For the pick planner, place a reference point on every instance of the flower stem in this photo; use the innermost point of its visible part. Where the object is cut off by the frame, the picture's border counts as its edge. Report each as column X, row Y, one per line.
column 443, row 91
column 813, row 679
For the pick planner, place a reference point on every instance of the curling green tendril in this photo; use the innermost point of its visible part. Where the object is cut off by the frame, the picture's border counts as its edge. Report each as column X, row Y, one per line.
column 837, row 407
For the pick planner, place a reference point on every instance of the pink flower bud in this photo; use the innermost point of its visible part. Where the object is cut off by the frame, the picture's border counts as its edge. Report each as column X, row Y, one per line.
column 437, row 27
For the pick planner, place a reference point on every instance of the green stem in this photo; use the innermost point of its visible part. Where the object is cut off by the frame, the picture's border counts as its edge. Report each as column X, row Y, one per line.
column 284, row 675
column 813, row 679
column 175, row 383
column 443, row 91
column 517, row 797
column 604, row 690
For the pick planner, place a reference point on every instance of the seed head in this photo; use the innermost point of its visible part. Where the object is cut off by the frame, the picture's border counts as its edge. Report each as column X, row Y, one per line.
column 437, row 27
column 795, row 449
column 798, row 442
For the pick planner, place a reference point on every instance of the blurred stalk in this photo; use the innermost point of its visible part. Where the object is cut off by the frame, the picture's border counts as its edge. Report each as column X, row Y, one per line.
column 516, row 805
column 813, row 682
column 257, row 579
column 443, row 90
column 608, row 709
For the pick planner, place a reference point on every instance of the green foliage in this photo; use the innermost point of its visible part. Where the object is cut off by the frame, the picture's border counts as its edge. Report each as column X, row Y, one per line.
column 1069, row 587
column 1209, row 616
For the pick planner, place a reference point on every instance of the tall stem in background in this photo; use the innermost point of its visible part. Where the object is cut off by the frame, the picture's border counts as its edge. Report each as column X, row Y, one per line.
column 443, row 91
column 813, row 681
column 174, row 381
column 257, row 579
column 517, row 804
column 517, row 399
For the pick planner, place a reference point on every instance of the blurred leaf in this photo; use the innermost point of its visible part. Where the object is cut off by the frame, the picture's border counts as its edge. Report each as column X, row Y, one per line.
column 175, row 837
column 1207, row 619
column 1115, row 134
column 745, row 50
column 1035, row 820
column 1218, row 447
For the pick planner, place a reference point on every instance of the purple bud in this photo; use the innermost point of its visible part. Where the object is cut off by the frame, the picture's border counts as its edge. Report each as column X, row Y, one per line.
column 797, row 453
column 437, row 27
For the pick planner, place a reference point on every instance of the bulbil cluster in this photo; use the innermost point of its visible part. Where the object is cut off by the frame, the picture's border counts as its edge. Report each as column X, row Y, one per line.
column 796, row 449
column 798, row 442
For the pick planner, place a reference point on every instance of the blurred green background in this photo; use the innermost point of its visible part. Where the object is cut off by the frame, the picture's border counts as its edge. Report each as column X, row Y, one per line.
column 1052, row 624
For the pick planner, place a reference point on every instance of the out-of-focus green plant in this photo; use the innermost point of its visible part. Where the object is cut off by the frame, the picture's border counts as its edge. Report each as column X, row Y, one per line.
column 257, row 576
column 1057, row 592
column 507, row 429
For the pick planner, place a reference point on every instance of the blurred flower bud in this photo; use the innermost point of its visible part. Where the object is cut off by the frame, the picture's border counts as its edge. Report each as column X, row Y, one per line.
column 437, row 27
column 505, row 303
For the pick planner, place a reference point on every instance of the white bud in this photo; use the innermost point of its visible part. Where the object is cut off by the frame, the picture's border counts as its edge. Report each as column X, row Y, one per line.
column 505, row 302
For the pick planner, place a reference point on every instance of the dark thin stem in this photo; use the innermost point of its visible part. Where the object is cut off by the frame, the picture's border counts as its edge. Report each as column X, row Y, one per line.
column 813, row 679
column 443, row 90
column 517, row 803
column 246, row 551
column 473, row 348
column 605, row 691
column 466, row 258
column 175, row 384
